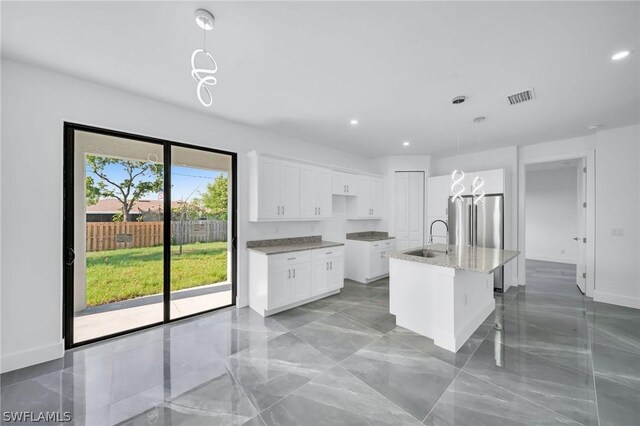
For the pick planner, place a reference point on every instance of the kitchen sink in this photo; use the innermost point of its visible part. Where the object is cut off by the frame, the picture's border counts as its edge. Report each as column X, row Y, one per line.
column 426, row 253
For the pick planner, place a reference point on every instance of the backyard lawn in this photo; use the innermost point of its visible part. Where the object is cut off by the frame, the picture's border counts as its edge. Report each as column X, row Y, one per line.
column 116, row 275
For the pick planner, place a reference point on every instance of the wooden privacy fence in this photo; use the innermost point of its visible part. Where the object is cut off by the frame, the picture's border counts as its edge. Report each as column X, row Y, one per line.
column 117, row 235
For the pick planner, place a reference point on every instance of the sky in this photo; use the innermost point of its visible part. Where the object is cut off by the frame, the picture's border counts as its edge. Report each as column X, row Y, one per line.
column 184, row 180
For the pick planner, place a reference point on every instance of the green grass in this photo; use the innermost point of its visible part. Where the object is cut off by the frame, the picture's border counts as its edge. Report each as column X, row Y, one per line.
column 116, row 275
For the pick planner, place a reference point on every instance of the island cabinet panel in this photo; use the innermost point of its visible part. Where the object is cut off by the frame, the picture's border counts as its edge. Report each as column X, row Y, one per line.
column 367, row 261
column 282, row 281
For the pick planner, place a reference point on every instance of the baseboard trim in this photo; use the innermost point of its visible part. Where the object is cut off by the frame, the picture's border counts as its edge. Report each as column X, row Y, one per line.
column 544, row 258
column 19, row 360
column 615, row 299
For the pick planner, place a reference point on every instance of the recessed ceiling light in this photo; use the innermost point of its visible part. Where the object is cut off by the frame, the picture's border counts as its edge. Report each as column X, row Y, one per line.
column 594, row 126
column 353, row 122
column 621, row 55
column 406, row 143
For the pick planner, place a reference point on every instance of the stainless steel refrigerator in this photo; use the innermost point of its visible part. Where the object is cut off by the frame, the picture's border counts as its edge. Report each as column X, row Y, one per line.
column 479, row 225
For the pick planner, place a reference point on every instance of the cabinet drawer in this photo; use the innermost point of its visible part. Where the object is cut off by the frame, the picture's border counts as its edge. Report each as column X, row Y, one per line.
column 389, row 243
column 327, row 252
column 289, row 258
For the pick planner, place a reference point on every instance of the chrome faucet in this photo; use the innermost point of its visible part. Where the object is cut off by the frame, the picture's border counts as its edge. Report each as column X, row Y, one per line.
column 431, row 231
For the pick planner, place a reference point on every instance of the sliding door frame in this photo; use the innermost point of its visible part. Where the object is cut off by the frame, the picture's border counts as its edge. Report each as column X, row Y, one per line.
column 69, row 222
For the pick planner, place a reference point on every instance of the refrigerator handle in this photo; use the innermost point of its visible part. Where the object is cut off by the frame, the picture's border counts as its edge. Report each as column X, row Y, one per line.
column 471, row 224
column 475, row 224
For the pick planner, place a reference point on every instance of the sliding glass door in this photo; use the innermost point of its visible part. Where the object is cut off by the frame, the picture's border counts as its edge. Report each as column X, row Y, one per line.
column 148, row 232
column 200, row 247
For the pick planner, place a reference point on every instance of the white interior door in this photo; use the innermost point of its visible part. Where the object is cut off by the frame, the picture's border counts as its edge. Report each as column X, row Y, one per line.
column 581, row 238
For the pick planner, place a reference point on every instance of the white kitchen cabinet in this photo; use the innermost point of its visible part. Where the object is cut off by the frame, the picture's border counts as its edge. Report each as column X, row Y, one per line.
column 344, row 184
column 328, row 271
column 438, row 189
column 274, row 189
column 316, row 201
column 368, row 203
column 282, row 281
column 366, row 261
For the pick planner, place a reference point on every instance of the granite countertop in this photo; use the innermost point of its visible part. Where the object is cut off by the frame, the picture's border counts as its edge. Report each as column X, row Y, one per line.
column 473, row 259
column 290, row 245
column 369, row 236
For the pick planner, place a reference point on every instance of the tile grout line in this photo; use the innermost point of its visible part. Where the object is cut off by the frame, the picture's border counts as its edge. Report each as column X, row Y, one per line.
column 369, row 386
column 593, row 370
column 454, row 379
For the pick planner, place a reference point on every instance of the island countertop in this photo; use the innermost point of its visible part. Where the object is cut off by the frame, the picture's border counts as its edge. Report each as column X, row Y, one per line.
column 468, row 258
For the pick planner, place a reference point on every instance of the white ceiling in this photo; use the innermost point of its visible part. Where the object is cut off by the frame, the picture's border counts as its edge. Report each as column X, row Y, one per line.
column 305, row 69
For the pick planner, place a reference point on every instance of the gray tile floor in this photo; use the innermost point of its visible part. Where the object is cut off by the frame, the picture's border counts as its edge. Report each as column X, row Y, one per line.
column 546, row 356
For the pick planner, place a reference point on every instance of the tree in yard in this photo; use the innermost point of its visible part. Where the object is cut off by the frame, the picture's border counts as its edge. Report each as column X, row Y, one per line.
column 140, row 178
column 216, row 197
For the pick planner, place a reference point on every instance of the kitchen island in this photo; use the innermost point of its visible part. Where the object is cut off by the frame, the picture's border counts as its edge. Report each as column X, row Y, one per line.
column 444, row 292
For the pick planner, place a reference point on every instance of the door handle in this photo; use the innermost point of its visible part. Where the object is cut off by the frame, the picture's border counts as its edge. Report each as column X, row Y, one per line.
column 234, row 243
column 331, row 265
column 289, row 273
column 71, row 256
column 294, row 272
column 347, row 188
column 575, row 238
column 278, row 209
column 327, row 266
column 282, row 209
column 344, row 188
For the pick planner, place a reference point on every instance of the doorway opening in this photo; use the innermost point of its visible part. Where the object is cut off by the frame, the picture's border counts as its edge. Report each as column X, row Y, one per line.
column 149, row 232
column 556, row 225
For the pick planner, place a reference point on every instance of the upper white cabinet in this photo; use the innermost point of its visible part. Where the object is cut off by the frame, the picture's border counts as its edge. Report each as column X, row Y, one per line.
column 315, row 192
column 282, row 189
column 368, row 203
column 275, row 189
column 345, row 184
column 438, row 190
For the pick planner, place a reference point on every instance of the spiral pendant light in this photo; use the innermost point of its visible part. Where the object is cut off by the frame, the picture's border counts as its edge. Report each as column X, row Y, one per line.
column 204, row 76
column 457, row 177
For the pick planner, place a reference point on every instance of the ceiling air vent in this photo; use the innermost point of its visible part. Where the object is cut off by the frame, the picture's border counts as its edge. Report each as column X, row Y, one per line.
column 520, row 97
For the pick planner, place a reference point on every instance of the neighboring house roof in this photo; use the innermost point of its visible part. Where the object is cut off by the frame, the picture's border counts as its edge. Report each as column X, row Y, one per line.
column 113, row 206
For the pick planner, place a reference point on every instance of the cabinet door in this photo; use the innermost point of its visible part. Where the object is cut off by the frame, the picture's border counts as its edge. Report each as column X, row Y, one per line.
column 335, row 279
column 351, row 184
column 290, row 189
column 438, row 189
column 384, row 262
column 309, row 202
column 337, row 183
column 301, row 274
column 375, row 198
column 269, row 206
column 319, row 275
column 402, row 206
column 493, row 181
column 375, row 265
column 415, row 210
column 280, row 287
column 364, row 197
column 323, row 193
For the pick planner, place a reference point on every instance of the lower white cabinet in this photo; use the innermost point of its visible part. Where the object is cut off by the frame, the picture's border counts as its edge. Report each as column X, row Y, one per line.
column 282, row 281
column 366, row 261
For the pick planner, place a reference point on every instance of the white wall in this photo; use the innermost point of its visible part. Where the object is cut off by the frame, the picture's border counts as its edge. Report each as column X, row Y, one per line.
column 502, row 158
column 551, row 212
column 35, row 103
column 618, row 207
